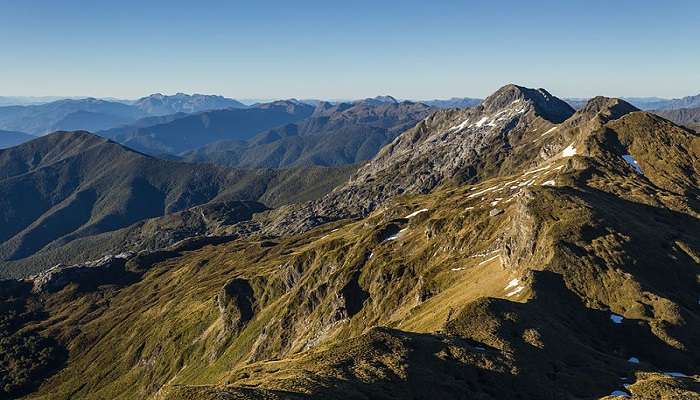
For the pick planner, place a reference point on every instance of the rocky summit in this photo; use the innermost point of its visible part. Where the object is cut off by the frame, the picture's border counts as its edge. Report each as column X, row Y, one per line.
column 517, row 249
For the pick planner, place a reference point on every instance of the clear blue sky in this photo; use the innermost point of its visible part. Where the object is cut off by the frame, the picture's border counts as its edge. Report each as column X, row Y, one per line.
column 348, row 49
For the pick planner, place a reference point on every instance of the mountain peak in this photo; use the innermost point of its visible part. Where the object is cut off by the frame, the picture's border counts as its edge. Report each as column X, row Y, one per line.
column 599, row 110
column 160, row 104
column 379, row 100
column 548, row 106
column 617, row 106
column 386, row 99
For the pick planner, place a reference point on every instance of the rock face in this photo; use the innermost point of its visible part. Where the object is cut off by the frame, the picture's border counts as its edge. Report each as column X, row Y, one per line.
column 109, row 269
column 513, row 128
column 448, row 146
column 209, row 220
column 452, row 147
column 236, row 303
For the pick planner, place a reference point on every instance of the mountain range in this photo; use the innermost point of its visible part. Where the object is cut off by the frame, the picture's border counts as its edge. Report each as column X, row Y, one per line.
column 340, row 134
column 689, row 117
column 671, row 104
column 179, row 133
column 29, row 100
column 98, row 114
column 649, row 103
column 518, row 248
column 70, row 195
column 158, row 104
column 45, row 118
column 454, row 102
column 112, row 117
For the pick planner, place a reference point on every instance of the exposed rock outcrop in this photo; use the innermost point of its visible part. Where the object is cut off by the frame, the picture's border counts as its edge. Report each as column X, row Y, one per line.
column 236, row 302
column 109, row 269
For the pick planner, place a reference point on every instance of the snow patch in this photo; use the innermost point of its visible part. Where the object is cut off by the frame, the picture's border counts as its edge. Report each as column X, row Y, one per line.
column 458, row 269
column 397, row 235
column 550, row 130
column 550, row 182
column 488, row 253
column 546, row 167
column 413, row 214
column 620, row 393
column 512, row 283
column 482, row 192
column 461, row 126
column 489, row 259
column 569, row 151
column 481, row 122
column 515, row 291
column 631, row 161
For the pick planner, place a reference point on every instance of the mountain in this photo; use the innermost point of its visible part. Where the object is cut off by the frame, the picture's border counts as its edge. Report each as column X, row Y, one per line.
column 180, row 135
column 89, row 121
column 131, row 129
column 689, row 117
column 69, row 194
column 649, row 103
column 11, row 139
column 27, row 100
column 459, row 145
column 342, row 134
column 454, row 102
column 514, row 250
column 672, row 104
column 39, row 116
column 159, row 104
column 577, row 102
column 85, row 113
column 378, row 100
